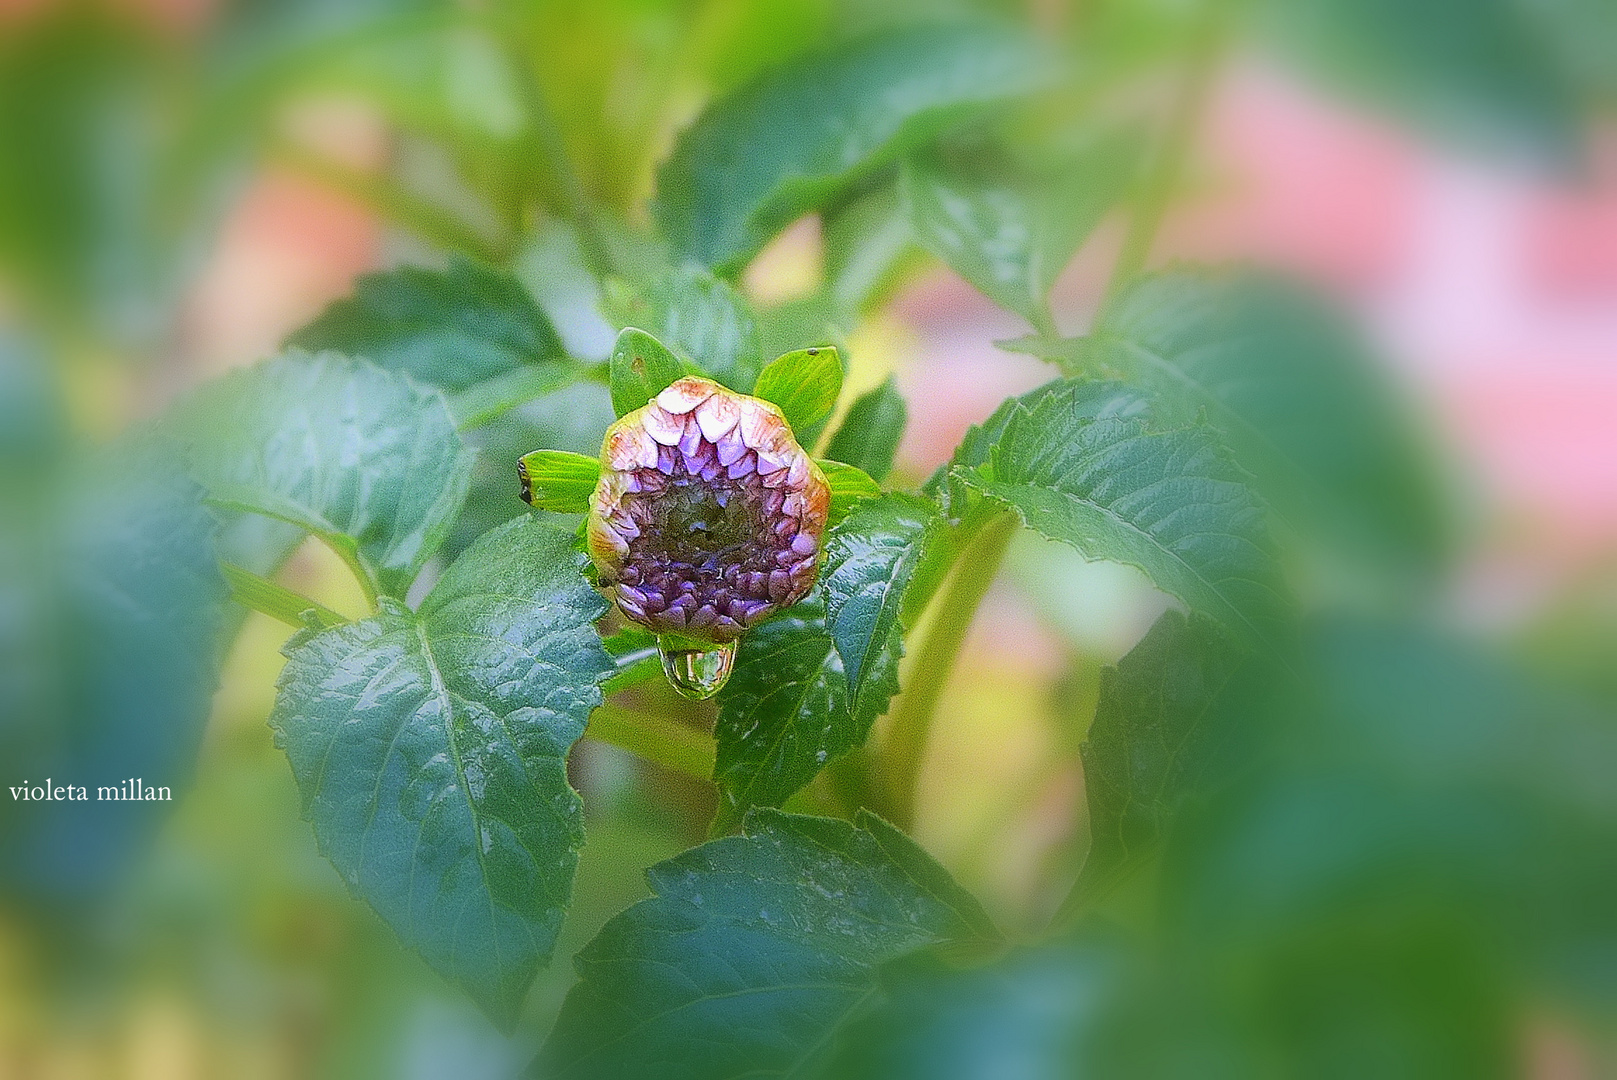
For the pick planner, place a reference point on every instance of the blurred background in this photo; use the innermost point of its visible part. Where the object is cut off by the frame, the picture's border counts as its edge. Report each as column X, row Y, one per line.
column 183, row 183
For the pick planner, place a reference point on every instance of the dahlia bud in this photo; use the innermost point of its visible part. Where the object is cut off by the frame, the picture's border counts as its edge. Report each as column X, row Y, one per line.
column 708, row 516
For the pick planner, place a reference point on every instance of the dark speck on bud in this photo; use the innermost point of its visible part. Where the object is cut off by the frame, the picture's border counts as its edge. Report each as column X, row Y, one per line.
column 708, row 517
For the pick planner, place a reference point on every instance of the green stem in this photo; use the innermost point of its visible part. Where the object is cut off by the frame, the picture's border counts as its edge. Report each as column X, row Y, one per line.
column 910, row 723
column 277, row 601
column 634, row 669
column 346, row 550
column 1202, row 63
column 675, row 746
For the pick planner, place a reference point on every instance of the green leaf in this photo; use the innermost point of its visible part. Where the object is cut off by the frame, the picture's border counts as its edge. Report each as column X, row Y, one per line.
column 809, row 683
column 799, row 136
column 1411, row 757
column 806, row 385
column 870, row 433
column 1479, row 70
column 1100, row 401
column 431, row 752
column 1035, row 1014
column 1012, row 239
column 709, row 323
column 1298, row 399
column 492, row 398
column 641, row 367
column 451, row 329
column 848, row 486
column 361, row 457
column 1169, row 502
column 1157, row 723
column 754, row 950
column 869, row 564
column 558, row 480
column 869, row 244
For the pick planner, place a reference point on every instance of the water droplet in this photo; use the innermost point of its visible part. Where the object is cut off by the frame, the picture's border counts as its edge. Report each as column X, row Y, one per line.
column 697, row 673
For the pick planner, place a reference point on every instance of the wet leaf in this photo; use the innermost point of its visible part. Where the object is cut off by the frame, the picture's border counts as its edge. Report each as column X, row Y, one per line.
column 449, row 329
column 361, row 457
column 431, row 751
column 755, row 950
column 1169, row 502
column 809, row 683
column 792, row 141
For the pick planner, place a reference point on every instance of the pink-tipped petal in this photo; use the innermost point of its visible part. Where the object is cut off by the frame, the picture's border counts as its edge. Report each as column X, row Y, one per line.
column 662, row 425
column 760, row 424
column 718, row 415
column 629, row 447
column 686, row 394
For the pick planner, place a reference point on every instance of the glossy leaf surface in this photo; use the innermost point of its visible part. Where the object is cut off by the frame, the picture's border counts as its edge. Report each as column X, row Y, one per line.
column 431, row 751
column 340, row 448
column 791, row 141
column 754, row 950
column 1169, row 502
column 809, row 683
column 449, row 329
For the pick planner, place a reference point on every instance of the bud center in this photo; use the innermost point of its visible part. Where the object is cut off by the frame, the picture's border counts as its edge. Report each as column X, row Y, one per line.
column 706, row 522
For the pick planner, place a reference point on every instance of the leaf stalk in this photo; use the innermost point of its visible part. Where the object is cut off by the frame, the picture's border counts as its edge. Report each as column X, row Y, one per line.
column 984, row 542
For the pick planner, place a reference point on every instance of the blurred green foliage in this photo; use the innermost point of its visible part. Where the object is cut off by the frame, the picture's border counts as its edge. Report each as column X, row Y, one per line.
column 1326, row 829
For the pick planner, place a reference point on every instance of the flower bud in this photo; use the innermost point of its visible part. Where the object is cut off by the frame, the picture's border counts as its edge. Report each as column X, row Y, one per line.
column 708, row 516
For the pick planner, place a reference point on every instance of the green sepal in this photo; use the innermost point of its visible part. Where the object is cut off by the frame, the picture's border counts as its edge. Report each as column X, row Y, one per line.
column 849, row 484
column 558, row 480
column 805, row 384
column 640, row 369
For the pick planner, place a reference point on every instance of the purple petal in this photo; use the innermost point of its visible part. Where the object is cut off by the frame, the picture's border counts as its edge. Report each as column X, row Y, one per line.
column 691, row 440
column 780, row 586
column 730, row 448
